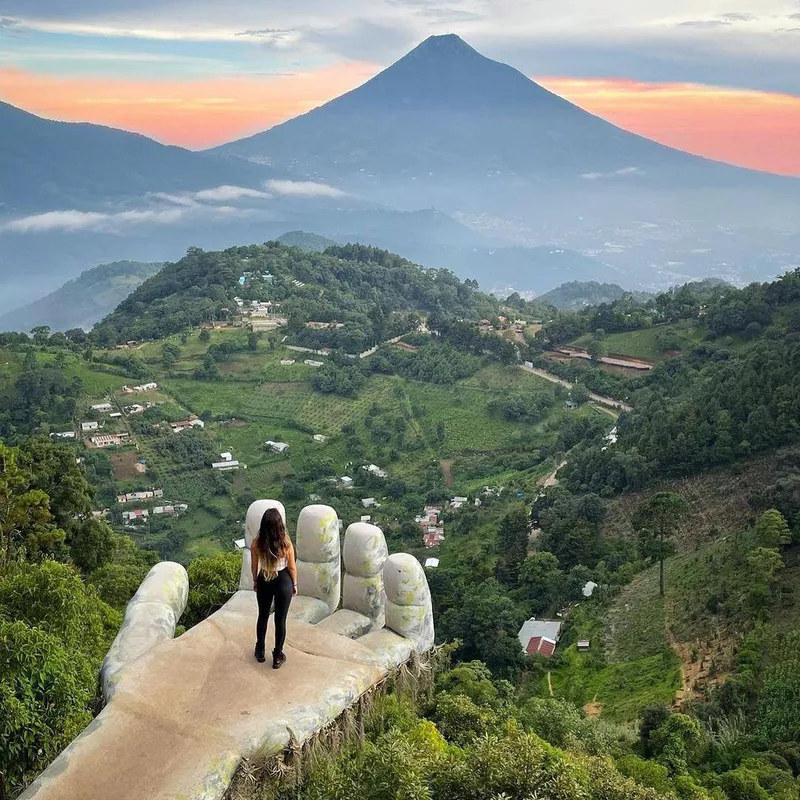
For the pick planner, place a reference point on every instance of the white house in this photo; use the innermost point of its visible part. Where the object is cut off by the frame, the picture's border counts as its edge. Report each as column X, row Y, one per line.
column 375, row 470
column 226, row 456
column 347, row 482
column 63, row 435
column 311, row 363
column 90, row 426
column 287, row 362
column 588, row 589
column 370, row 502
column 239, row 544
column 431, row 563
column 277, row 447
column 318, row 437
column 225, row 465
column 366, row 518
column 102, row 408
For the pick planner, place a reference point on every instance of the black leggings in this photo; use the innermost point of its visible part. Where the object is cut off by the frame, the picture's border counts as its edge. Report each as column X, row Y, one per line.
column 280, row 589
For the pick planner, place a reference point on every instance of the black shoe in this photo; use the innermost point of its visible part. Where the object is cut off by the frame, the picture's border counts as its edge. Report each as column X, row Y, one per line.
column 259, row 654
column 278, row 659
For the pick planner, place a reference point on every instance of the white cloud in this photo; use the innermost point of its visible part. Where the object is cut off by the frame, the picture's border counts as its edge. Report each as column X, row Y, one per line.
column 304, row 189
column 224, row 194
column 73, row 220
column 619, row 173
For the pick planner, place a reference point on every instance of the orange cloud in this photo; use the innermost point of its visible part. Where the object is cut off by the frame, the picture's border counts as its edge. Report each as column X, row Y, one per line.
column 749, row 128
column 753, row 129
column 190, row 113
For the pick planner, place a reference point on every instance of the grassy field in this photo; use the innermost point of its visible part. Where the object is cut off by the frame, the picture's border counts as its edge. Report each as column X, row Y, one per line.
column 406, row 427
column 645, row 343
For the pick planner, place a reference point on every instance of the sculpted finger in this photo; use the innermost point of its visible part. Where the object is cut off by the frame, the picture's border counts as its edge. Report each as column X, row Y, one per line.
column 150, row 618
column 318, row 564
column 363, row 601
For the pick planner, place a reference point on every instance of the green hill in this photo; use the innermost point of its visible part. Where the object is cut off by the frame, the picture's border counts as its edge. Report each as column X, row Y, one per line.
column 81, row 302
column 310, row 242
column 575, row 295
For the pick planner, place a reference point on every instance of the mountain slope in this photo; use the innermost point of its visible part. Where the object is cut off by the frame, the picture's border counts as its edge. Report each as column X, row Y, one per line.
column 444, row 111
column 49, row 165
column 81, row 302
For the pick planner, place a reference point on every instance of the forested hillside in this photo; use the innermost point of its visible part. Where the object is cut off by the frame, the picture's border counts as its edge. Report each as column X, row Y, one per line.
column 691, row 660
column 350, row 284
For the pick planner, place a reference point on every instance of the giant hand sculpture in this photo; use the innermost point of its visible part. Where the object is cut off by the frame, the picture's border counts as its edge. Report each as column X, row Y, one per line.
column 182, row 713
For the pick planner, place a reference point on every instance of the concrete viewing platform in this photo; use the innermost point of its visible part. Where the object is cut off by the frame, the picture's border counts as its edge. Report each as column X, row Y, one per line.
column 182, row 713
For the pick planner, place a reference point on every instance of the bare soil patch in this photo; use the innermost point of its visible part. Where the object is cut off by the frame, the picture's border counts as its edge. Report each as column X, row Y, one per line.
column 124, row 465
column 447, row 471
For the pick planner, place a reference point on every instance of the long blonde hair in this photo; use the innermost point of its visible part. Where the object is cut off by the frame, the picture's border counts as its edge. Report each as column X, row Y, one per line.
column 272, row 542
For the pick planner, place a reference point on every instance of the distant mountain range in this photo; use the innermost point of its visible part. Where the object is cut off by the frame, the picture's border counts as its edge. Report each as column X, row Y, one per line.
column 81, row 302
column 448, row 157
column 448, row 126
column 47, row 165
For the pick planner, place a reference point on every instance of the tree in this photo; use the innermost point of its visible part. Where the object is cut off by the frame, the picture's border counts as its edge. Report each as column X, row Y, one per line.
column 596, row 350
column 772, row 530
column 170, row 353
column 24, row 512
column 252, row 340
column 212, row 581
column 513, row 534
column 655, row 521
column 53, row 635
column 205, row 336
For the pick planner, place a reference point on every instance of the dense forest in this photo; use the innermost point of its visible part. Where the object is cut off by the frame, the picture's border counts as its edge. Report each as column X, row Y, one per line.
column 361, row 287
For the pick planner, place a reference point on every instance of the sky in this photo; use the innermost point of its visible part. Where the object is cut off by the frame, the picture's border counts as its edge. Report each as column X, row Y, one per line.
column 719, row 78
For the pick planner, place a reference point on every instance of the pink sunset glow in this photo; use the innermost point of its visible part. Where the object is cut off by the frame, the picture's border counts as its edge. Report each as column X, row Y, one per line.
column 749, row 128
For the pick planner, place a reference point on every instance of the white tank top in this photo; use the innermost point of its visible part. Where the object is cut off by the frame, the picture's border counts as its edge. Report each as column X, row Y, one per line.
column 282, row 564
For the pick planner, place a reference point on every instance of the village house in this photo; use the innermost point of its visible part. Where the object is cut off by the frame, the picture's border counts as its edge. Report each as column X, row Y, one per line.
column 225, row 465
column 375, row 470
column 90, row 426
column 318, row 437
column 311, row 363
column 277, row 447
column 136, row 516
column 115, row 414
column 136, row 408
column 63, row 435
column 346, row 482
column 365, row 518
column 191, row 422
column 144, row 387
column 287, row 362
column 370, row 502
column 583, row 645
column 146, row 494
column 539, row 636
column 178, row 508
column 102, row 408
column 431, row 563
column 457, row 502
column 109, row 440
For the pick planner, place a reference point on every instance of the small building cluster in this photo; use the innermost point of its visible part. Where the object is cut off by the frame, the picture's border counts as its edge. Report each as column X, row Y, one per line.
column 227, row 462
column 277, row 447
column 325, row 326
column 135, row 517
column 539, row 636
column 145, row 387
column 146, row 494
column 431, row 525
column 191, row 421
column 375, row 471
column 109, row 440
column 137, row 408
column 177, row 508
